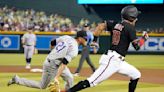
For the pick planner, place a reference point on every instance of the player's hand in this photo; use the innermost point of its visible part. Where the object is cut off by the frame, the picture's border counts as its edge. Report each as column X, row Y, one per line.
column 54, row 87
column 23, row 46
column 56, row 81
column 145, row 35
column 35, row 51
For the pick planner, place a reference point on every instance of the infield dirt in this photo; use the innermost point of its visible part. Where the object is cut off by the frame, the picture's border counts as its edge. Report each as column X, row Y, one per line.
column 148, row 75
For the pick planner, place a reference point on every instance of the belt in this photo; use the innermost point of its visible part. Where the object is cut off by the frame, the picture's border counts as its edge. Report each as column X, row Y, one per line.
column 28, row 45
column 56, row 59
column 120, row 56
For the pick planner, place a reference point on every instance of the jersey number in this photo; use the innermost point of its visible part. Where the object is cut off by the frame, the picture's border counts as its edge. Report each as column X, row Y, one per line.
column 116, row 34
column 60, row 46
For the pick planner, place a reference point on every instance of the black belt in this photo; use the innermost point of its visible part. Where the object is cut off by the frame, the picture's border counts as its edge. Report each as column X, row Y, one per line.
column 120, row 57
column 28, row 45
column 56, row 59
column 106, row 52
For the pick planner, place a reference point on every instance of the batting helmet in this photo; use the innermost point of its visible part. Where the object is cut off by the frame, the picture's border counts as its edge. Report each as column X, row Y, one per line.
column 130, row 13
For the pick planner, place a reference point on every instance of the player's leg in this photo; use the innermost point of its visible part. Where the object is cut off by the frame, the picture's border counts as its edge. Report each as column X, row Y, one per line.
column 82, row 58
column 89, row 60
column 26, row 51
column 30, row 53
column 68, row 78
column 48, row 72
column 90, row 64
column 130, row 71
column 108, row 66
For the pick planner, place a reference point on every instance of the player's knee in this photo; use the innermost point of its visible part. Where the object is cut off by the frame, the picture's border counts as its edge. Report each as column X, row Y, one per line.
column 43, row 86
column 137, row 75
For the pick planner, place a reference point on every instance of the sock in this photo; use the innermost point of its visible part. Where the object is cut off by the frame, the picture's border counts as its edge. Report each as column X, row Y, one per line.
column 28, row 61
column 79, row 86
column 132, row 85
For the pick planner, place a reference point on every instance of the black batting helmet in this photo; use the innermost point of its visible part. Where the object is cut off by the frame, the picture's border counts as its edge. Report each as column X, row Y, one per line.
column 130, row 12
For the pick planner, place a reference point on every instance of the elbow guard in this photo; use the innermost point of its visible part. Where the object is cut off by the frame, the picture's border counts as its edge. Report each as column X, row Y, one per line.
column 65, row 61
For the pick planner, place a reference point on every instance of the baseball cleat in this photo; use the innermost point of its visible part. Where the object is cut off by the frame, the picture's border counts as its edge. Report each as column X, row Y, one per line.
column 28, row 66
column 12, row 81
column 76, row 74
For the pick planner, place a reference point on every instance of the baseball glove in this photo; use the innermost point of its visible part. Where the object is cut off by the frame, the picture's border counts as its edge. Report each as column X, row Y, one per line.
column 54, row 87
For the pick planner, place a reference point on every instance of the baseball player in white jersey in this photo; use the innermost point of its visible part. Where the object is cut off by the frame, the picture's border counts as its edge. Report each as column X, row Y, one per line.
column 29, row 42
column 112, row 61
column 55, row 64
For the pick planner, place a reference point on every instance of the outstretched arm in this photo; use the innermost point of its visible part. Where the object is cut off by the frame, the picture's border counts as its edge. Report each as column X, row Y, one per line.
column 101, row 27
column 60, row 70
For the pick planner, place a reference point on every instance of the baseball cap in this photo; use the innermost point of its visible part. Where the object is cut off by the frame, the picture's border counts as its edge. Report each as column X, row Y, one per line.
column 82, row 34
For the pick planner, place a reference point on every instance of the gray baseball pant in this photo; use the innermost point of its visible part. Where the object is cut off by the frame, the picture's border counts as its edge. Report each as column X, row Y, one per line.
column 85, row 56
column 49, row 72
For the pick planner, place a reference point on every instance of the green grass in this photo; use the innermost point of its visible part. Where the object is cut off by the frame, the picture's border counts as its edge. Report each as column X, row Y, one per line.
column 140, row 61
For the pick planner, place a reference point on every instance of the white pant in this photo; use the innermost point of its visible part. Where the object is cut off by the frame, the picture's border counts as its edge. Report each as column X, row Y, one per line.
column 110, row 64
column 28, row 51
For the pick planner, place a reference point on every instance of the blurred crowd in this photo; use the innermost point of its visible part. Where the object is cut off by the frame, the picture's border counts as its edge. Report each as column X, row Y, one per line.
column 157, row 30
column 12, row 19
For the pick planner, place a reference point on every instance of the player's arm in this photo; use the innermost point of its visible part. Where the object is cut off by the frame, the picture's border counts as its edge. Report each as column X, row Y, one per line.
column 106, row 25
column 59, row 72
column 100, row 28
column 23, row 40
column 137, row 43
column 35, row 40
column 64, row 63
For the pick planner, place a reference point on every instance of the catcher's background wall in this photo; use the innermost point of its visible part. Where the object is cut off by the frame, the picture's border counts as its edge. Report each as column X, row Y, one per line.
column 151, row 17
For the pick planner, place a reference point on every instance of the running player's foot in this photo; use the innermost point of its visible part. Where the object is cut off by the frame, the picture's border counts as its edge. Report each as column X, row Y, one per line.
column 12, row 81
column 28, row 66
column 76, row 74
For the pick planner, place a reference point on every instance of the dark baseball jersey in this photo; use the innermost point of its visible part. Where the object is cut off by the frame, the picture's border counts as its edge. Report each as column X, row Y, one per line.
column 121, row 35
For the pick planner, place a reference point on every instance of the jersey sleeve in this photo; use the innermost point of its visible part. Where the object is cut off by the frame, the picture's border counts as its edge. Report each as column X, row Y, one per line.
column 35, row 39
column 70, row 55
column 23, row 37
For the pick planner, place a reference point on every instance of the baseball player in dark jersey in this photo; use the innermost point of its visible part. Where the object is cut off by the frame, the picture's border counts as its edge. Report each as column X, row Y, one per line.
column 86, row 51
column 112, row 61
